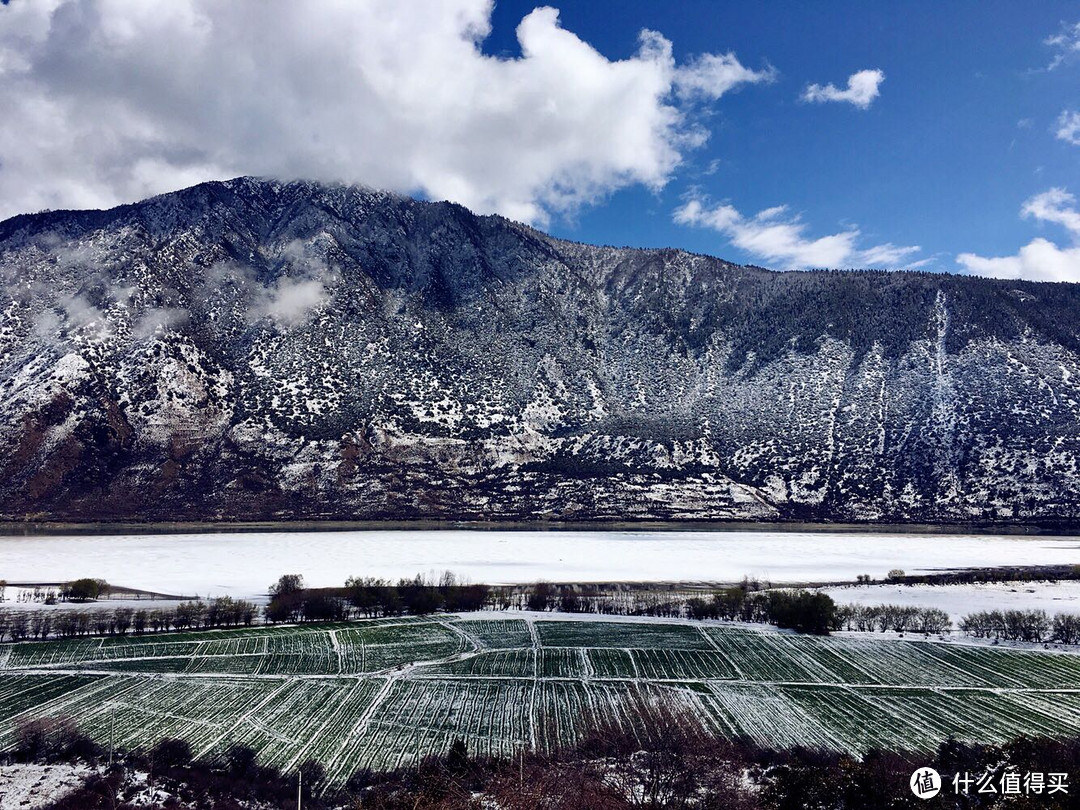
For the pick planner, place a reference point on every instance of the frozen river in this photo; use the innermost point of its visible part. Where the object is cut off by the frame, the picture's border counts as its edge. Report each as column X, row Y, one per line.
column 244, row 564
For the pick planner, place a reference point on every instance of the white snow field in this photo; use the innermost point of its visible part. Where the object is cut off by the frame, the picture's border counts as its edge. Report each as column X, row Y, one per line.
column 959, row 600
column 379, row 693
column 244, row 564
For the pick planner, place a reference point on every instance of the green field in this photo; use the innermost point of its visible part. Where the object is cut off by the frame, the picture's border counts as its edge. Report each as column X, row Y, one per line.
column 380, row 693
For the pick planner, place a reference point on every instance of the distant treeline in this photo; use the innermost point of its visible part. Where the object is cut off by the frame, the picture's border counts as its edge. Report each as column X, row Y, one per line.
column 802, row 610
column 1035, row 626
column 805, row 611
column 750, row 601
column 1001, row 573
column 367, row 597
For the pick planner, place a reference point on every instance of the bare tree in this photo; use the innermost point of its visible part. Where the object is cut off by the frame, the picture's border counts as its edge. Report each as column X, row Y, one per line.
column 19, row 627
column 122, row 620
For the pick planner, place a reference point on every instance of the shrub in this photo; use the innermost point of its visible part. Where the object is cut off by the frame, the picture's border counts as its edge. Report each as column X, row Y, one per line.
column 541, row 596
column 700, row 609
column 804, row 611
column 287, row 585
column 47, row 738
column 169, row 753
column 1066, row 628
column 240, row 760
column 82, row 590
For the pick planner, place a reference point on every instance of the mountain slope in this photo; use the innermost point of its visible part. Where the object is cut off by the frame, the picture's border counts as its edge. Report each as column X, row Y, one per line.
column 259, row 350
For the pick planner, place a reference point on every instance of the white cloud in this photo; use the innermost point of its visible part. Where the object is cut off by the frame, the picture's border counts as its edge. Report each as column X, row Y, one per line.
column 1056, row 205
column 777, row 238
column 107, row 101
column 1065, row 43
column 711, row 75
column 862, row 89
column 304, row 287
column 1068, row 124
column 289, row 302
column 1040, row 259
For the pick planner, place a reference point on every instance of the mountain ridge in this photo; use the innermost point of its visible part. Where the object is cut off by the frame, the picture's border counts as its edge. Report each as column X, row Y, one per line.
column 251, row 349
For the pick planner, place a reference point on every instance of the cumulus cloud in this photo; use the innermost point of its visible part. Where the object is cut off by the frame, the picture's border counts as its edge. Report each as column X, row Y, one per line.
column 1068, row 127
column 107, row 101
column 862, row 89
column 778, row 238
column 1065, row 44
column 1040, row 259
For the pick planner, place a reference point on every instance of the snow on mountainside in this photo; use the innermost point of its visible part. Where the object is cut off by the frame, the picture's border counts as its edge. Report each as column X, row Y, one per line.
column 259, row 350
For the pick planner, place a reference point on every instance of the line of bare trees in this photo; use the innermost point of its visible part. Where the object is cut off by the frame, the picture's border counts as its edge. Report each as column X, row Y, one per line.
column 735, row 603
column 224, row 611
column 898, row 618
column 806, row 611
column 1022, row 625
column 598, row 599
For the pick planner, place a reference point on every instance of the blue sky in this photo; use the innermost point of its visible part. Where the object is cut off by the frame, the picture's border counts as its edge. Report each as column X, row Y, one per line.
column 962, row 134
column 726, row 128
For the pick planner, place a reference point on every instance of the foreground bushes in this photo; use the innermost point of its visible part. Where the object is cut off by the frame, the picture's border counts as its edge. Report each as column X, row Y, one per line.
column 656, row 757
column 51, row 739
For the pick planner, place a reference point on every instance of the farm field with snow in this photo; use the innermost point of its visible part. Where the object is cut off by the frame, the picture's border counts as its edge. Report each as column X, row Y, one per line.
column 379, row 693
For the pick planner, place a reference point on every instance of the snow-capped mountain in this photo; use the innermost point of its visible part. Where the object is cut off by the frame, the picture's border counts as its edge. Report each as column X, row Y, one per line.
column 259, row 350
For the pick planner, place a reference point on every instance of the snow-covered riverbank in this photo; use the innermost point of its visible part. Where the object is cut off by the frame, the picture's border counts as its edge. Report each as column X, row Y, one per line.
column 959, row 600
